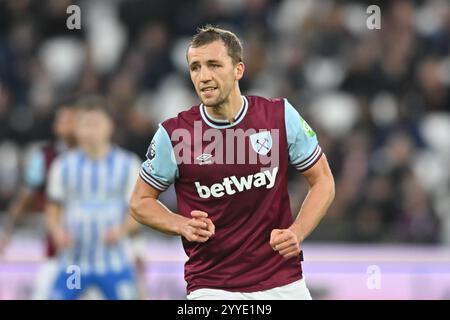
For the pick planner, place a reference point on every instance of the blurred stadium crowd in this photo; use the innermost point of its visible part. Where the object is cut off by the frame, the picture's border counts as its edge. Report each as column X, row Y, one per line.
column 378, row 99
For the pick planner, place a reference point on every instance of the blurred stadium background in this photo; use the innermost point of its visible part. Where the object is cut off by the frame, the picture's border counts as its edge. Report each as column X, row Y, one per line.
column 379, row 100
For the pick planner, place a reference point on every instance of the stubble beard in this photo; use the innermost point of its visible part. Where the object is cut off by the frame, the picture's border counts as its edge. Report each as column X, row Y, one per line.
column 219, row 102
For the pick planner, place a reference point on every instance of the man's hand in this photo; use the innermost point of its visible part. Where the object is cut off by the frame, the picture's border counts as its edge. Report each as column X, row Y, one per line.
column 285, row 242
column 61, row 238
column 198, row 229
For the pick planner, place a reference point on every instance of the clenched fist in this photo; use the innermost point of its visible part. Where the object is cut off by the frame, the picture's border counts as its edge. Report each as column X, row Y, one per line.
column 285, row 242
column 198, row 229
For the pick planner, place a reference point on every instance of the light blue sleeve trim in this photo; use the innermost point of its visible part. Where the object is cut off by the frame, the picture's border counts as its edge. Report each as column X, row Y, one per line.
column 304, row 149
column 35, row 170
column 160, row 169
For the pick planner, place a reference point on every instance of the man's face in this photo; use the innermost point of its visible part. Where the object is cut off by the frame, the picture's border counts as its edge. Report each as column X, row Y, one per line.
column 93, row 129
column 213, row 72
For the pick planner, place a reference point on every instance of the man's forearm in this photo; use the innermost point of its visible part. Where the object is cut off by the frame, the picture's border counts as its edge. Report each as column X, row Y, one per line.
column 152, row 213
column 53, row 217
column 131, row 226
column 314, row 208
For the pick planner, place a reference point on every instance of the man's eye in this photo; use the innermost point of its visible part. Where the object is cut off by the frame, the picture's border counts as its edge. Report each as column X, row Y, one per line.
column 194, row 68
column 215, row 65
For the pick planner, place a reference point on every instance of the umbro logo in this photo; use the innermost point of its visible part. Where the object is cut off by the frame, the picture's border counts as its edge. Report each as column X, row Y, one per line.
column 204, row 158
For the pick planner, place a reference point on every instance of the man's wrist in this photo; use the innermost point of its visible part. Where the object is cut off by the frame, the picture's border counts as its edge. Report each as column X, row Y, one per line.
column 178, row 226
column 297, row 230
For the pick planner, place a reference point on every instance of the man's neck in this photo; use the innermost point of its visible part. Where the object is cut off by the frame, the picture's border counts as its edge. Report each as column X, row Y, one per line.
column 97, row 152
column 229, row 109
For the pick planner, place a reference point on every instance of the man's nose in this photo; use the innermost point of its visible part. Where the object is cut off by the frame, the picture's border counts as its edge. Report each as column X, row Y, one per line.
column 205, row 74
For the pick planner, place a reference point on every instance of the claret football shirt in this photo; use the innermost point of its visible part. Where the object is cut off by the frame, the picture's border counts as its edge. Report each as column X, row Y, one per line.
column 237, row 173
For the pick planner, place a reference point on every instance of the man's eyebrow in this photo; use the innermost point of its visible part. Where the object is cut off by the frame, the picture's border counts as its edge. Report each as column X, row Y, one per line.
column 194, row 63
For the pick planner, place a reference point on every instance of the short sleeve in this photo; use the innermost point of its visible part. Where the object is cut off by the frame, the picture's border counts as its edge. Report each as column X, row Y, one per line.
column 160, row 169
column 35, row 170
column 55, row 188
column 304, row 149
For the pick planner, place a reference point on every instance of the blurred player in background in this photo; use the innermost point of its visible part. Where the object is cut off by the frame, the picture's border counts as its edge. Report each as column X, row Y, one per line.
column 234, row 218
column 31, row 197
column 89, row 190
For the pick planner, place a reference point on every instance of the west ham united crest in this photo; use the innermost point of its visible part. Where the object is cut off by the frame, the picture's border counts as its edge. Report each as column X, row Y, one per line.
column 261, row 142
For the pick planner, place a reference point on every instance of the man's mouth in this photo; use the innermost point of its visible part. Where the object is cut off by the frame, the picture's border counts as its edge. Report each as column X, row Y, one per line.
column 208, row 89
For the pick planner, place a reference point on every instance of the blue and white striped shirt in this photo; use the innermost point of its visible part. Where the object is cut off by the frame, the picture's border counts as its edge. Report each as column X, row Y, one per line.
column 95, row 196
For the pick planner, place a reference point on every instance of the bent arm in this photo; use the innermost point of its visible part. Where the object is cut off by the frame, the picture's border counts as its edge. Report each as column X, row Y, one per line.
column 318, row 200
column 130, row 226
column 147, row 210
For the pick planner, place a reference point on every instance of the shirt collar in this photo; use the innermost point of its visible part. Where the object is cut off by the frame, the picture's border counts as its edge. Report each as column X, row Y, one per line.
column 223, row 123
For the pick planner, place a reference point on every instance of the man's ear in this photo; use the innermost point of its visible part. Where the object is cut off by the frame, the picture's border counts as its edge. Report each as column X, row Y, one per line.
column 240, row 68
